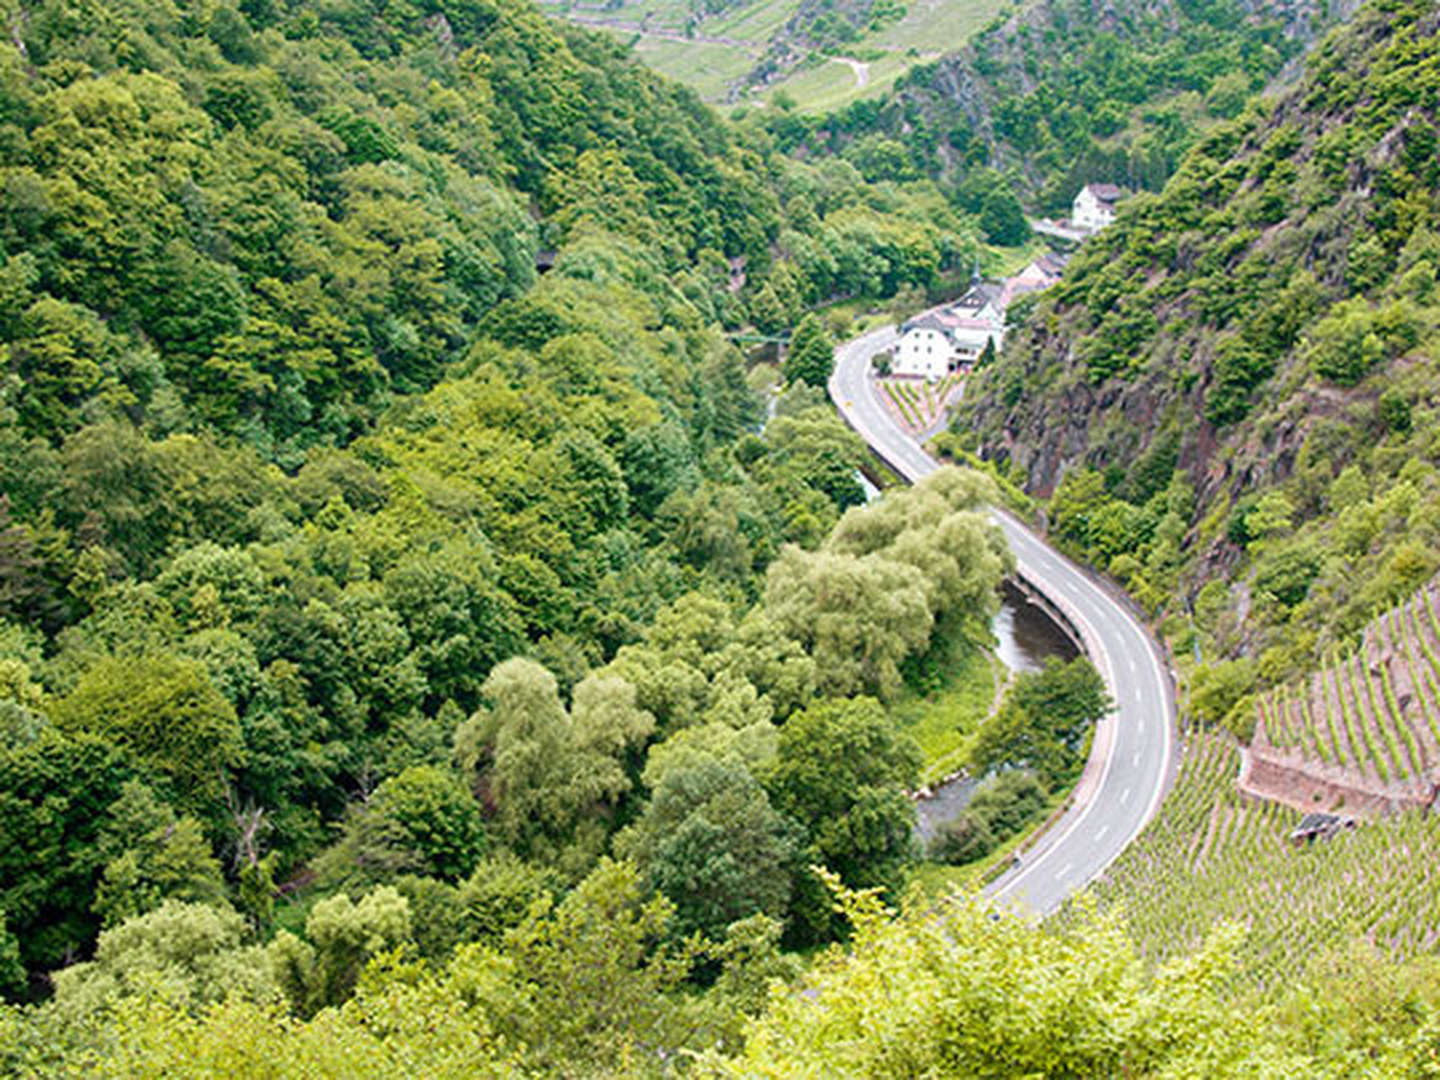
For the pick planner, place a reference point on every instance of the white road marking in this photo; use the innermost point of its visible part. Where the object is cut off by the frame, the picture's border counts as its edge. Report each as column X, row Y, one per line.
column 1063, row 871
column 1101, row 834
column 1136, row 759
column 1072, row 591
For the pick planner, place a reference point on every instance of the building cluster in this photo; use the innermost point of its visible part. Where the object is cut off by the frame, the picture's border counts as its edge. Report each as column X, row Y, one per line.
column 954, row 337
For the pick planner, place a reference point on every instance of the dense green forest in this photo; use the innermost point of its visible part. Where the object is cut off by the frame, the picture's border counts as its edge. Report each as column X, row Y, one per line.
column 1232, row 393
column 392, row 560
column 1063, row 92
column 421, row 649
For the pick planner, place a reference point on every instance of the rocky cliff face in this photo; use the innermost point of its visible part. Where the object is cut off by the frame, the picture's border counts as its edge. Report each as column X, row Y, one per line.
column 1269, row 326
column 1067, row 91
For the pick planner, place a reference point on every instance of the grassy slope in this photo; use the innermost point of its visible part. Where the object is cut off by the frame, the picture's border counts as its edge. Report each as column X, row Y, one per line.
column 929, row 28
column 944, row 721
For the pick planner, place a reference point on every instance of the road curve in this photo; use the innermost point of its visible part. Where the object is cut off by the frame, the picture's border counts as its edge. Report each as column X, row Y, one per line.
column 1134, row 753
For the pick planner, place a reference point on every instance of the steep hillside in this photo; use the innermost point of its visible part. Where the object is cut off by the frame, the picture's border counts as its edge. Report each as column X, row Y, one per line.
column 1214, row 855
column 1267, row 327
column 1062, row 92
column 818, row 54
column 1364, row 732
column 362, row 374
column 272, row 222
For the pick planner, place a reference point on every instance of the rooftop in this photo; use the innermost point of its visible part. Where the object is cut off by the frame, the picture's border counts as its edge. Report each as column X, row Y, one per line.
column 980, row 294
column 1107, row 193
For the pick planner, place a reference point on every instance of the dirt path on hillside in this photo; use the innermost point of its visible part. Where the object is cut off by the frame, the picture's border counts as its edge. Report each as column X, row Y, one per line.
column 859, row 67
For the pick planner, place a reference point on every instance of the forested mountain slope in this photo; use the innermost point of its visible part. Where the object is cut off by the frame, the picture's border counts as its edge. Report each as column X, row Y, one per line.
column 1063, row 92
column 415, row 663
column 1265, row 329
column 388, row 536
column 269, row 221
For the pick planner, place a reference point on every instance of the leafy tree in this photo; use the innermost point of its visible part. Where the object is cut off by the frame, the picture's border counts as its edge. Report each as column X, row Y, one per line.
column 341, row 935
column 940, row 1012
column 936, row 527
column 193, row 951
column 422, row 820
column 164, row 712
column 1002, row 218
column 1044, row 721
column 156, row 856
column 964, row 838
column 816, row 448
column 857, row 617
column 1219, row 694
column 12, row 969
column 604, row 981
column 999, row 809
column 1077, row 504
column 810, row 356
column 55, row 793
column 498, row 896
column 709, row 841
column 842, row 772
column 551, row 775
column 459, row 621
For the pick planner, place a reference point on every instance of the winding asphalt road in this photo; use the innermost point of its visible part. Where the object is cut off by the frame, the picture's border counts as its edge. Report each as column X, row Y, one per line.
column 1134, row 752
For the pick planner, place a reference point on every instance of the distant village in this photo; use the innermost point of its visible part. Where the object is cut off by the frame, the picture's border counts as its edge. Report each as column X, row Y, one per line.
column 952, row 339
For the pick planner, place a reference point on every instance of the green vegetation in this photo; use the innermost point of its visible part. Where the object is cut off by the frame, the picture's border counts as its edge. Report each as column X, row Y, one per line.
column 1351, row 715
column 378, row 490
column 947, row 704
column 920, row 405
column 967, row 994
column 1213, row 855
column 785, row 51
column 416, row 655
column 895, row 391
column 1054, row 94
column 1000, row 808
column 1029, row 750
column 1307, row 498
column 1044, row 723
column 810, row 356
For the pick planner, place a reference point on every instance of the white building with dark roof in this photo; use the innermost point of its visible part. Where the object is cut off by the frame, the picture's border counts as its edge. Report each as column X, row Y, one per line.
column 925, row 349
column 951, row 339
column 944, row 340
column 1094, row 206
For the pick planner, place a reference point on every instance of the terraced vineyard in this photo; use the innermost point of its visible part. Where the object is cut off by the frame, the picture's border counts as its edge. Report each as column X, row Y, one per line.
column 726, row 52
column 1214, row 855
column 918, row 405
column 1367, row 727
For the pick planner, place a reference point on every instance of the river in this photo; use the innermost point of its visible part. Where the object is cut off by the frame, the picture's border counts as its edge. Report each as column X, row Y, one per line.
column 1025, row 638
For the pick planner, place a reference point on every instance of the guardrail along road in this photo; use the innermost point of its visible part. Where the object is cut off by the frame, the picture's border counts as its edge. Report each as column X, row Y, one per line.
column 1133, row 755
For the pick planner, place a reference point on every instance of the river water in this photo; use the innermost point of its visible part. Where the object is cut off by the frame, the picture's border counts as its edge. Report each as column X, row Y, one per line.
column 1026, row 637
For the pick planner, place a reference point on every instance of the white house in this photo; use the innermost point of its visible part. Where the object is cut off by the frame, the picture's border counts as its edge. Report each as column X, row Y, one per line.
column 938, row 342
column 925, row 348
column 1094, row 206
